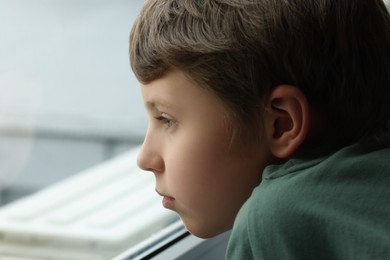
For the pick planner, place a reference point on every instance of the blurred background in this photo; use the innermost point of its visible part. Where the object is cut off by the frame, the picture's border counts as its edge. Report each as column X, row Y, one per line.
column 68, row 98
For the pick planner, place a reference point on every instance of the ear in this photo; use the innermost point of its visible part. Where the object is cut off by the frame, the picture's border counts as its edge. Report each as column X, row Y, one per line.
column 287, row 120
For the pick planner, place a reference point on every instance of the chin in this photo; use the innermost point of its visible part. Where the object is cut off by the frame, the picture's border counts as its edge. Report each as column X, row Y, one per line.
column 204, row 231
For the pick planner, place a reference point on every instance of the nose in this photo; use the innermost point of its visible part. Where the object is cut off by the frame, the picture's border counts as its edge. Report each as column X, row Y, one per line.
column 149, row 157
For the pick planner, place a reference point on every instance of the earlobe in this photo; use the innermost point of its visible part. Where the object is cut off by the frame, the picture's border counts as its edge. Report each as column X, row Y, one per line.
column 288, row 120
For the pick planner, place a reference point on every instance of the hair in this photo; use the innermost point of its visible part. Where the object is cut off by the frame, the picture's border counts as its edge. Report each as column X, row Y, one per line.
column 336, row 52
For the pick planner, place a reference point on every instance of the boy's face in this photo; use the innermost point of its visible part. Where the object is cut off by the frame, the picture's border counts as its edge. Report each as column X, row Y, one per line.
column 187, row 148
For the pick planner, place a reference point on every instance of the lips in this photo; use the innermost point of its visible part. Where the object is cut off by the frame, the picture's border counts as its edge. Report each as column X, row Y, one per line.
column 167, row 200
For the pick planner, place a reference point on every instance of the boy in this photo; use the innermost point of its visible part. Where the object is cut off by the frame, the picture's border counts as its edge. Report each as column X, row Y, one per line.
column 271, row 115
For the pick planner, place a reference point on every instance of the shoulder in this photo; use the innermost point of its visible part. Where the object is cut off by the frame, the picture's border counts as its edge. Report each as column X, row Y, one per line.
column 275, row 217
column 305, row 206
column 268, row 224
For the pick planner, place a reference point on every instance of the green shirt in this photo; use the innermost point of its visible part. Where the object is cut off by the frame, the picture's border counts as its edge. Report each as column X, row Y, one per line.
column 332, row 207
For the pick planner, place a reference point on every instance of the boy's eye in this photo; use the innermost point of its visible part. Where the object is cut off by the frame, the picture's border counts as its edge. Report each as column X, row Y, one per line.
column 169, row 122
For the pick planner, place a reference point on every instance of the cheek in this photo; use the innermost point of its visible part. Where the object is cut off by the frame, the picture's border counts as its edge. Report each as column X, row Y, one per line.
column 206, row 177
column 192, row 168
column 209, row 193
column 200, row 162
column 190, row 172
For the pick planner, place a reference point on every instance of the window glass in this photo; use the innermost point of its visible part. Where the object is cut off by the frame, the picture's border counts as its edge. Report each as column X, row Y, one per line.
column 68, row 97
column 71, row 119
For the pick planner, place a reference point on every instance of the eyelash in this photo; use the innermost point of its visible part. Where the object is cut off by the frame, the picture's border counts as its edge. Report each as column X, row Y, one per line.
column 169, row 122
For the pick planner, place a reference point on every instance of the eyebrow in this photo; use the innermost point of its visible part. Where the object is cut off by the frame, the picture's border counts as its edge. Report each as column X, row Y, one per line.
column 150, row 104
column 156, row 103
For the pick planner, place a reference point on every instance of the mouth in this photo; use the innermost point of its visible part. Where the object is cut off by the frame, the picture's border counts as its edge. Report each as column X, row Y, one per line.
column 167, row 201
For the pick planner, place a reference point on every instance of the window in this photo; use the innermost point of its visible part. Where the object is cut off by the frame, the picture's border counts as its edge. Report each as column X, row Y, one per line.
column 71, row 121
column 68, row 97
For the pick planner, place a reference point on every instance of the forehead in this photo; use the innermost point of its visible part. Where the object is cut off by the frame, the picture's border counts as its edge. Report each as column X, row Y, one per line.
column 177, row 91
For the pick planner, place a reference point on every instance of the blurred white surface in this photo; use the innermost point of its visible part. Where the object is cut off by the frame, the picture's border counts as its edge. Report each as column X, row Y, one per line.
column 94, row 215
